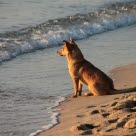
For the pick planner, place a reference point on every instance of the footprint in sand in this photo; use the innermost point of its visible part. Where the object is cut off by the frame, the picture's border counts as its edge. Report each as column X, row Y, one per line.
column 123, row 105
column 97, row 111
column 94, row 112
column 80, row 116
column 113, row 120
column 113, row 104
column 90, row 106
column 83, row 129
column 104, row 105
column 105, row 115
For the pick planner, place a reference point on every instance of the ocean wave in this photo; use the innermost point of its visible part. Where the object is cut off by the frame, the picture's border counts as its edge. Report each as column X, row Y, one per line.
column 79, row 26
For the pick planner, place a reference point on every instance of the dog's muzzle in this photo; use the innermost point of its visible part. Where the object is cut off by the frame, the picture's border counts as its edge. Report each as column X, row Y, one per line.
column 59, row 53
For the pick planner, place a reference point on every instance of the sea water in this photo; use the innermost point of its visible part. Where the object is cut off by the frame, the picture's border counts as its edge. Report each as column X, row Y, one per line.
column 31, row 85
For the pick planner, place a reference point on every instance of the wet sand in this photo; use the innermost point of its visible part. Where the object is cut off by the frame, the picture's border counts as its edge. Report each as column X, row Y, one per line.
column 101, row 115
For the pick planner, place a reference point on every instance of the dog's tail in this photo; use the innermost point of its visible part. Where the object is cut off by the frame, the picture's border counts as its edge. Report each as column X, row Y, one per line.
column 127, row 90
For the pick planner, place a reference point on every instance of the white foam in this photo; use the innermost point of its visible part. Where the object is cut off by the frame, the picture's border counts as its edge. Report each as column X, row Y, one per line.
column 55, row 38
column 86, row 29
column 4, row 55
column 36, row 133
column 60, row 99
column 54, row 118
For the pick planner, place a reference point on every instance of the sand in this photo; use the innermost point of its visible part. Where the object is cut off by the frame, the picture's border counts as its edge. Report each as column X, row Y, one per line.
column 101, row 115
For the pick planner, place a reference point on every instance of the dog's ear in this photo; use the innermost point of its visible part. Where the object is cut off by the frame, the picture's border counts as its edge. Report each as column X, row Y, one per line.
column 64, row 41
column 68, row 45
column 72, row 41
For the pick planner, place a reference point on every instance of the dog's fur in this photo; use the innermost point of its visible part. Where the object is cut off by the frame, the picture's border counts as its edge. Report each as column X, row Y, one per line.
column 83, row 72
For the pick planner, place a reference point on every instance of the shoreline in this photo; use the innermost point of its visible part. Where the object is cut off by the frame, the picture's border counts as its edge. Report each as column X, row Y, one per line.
column 69, row 122
column 120, row 75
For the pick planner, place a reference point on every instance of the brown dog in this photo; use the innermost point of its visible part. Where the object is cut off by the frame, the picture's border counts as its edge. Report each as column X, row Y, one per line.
column 83, row 72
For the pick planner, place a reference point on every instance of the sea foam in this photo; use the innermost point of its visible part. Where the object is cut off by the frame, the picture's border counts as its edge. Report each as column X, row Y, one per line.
column 54, row 118
column 54, row 38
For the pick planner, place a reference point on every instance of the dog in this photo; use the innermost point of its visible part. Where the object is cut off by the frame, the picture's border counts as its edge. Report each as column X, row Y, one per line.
column 83, row 72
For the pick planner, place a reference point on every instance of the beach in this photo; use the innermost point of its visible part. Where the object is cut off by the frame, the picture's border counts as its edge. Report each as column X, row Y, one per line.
column 101, row 115
column 34, row 80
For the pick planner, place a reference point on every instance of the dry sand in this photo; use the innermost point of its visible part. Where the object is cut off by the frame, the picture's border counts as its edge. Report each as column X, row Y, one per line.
column 101, row 115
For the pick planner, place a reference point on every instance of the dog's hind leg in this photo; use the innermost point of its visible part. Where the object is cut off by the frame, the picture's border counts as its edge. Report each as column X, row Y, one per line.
column 99, row 89
column 95, row 91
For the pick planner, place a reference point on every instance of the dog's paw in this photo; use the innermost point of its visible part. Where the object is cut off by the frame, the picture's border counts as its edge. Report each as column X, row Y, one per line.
column 74, row 96
column 88, row 94
column 80, row 93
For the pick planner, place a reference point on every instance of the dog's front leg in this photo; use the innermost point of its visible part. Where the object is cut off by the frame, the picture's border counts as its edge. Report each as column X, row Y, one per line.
column 80, row 88
column 75, row 83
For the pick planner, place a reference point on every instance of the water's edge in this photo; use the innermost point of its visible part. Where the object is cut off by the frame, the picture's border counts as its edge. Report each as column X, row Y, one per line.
column 54, row 116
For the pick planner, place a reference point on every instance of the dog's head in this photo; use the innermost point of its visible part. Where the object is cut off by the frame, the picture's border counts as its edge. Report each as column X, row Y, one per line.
column 71, row 49
column 66, row 48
